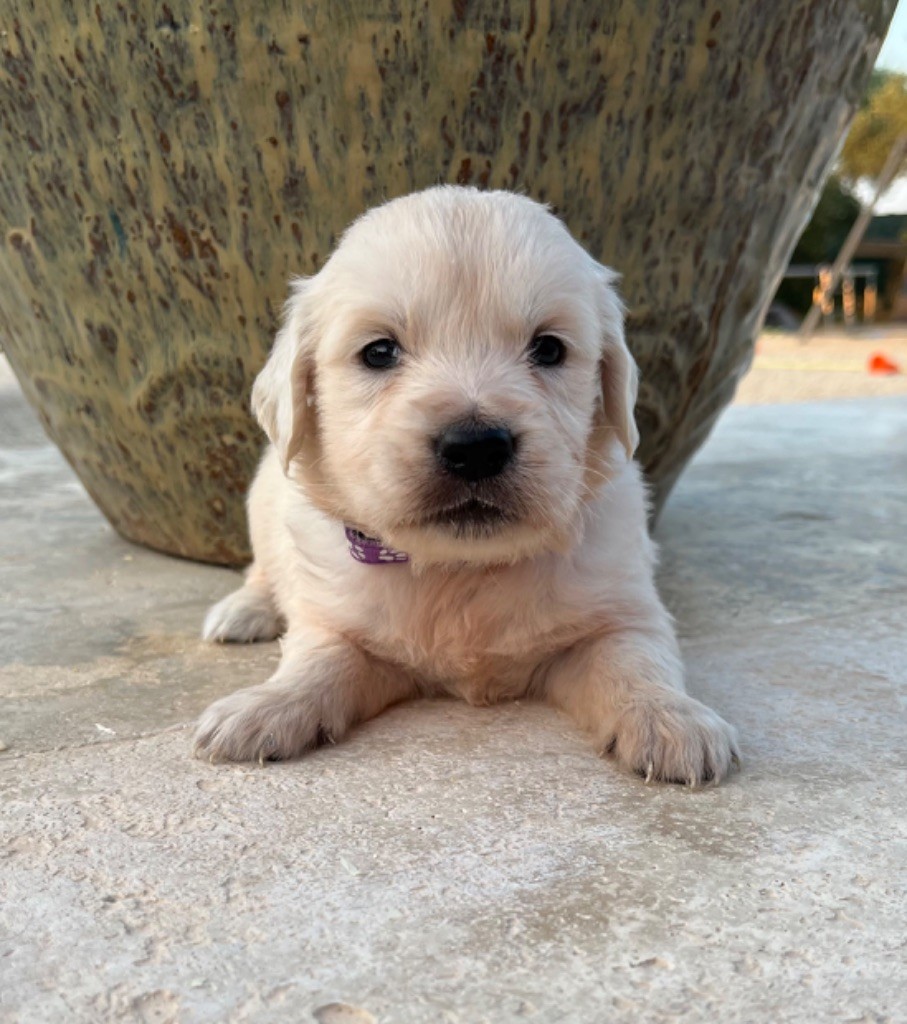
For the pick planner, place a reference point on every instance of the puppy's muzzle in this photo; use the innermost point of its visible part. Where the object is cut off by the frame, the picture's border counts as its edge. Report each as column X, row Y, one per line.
column 475, row 451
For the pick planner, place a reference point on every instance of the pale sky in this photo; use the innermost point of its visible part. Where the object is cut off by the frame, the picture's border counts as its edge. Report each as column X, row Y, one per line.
column 893, row 54
column 893, row 57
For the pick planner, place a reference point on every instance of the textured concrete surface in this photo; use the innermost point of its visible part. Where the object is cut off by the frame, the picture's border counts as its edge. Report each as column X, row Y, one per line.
column 455, row 864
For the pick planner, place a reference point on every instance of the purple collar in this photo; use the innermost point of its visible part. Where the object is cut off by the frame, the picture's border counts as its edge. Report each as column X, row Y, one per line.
column 370, row 550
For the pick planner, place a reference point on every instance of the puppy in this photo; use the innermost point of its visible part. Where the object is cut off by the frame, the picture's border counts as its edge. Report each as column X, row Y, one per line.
column 449, row 503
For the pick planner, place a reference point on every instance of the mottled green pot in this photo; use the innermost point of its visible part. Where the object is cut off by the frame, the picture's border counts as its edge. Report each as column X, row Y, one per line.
column 166, row 168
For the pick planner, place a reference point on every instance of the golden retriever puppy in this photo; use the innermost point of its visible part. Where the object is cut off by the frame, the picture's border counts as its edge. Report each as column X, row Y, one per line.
column 449, row 503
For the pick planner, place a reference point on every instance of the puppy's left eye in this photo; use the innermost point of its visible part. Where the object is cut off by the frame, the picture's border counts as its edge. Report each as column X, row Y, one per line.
column 546, row 350
column 381, row 355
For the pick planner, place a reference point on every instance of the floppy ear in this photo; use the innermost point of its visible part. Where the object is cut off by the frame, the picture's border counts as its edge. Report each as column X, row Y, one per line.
column 280, row 394
column 619, row 376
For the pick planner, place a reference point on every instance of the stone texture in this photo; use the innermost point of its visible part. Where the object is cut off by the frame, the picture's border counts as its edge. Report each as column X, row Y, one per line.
column 456, row 864
column 169, row 166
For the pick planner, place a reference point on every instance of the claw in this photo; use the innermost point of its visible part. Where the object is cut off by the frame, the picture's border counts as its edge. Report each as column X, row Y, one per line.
column 735, row 761
column 650, row 773
column 267, row 748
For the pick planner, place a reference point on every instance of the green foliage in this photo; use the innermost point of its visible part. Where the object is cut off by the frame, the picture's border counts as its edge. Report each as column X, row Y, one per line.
column 832, row 218
column 880, row 121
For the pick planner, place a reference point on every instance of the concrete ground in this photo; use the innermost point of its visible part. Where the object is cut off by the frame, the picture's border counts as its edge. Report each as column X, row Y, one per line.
column 453, row 864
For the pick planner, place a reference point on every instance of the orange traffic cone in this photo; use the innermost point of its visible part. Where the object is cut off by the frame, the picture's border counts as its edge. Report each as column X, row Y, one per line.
column 881, row 365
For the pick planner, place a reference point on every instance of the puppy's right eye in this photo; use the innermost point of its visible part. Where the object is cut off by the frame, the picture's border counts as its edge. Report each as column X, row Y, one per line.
column 381, row 355
column 547, row 350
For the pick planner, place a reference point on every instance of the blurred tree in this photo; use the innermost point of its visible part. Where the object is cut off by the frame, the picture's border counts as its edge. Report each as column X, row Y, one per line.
column 878, row 123
column 881, row 119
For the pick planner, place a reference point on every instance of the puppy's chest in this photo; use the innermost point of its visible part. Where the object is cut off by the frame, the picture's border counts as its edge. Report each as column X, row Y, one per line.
column 479, row 640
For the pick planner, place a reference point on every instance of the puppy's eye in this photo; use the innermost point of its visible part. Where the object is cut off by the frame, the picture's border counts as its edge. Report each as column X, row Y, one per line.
column 381, row 355
column 546, row 350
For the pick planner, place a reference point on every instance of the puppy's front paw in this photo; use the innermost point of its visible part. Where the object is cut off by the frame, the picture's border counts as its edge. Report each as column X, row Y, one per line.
column 242, row 617
column 674, row 739
column 260, row 724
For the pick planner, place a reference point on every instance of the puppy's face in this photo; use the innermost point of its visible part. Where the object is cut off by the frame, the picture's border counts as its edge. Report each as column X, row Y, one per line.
column 455, row 380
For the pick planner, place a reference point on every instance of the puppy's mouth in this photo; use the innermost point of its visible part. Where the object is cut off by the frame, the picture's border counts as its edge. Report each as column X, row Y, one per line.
column 470, row 517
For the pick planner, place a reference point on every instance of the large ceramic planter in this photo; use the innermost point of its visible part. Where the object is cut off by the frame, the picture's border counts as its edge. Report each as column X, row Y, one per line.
column 166, row 168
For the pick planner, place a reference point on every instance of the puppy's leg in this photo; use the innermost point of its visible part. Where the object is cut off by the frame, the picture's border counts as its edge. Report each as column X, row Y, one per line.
column 245, row 615
column 323, row 686
column 626, row 689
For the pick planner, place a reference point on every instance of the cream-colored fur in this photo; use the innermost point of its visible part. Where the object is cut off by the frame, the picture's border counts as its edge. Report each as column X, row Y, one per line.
column 557, row 602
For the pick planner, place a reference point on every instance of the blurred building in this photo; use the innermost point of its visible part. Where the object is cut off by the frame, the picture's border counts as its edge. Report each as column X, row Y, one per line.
column 885, row 246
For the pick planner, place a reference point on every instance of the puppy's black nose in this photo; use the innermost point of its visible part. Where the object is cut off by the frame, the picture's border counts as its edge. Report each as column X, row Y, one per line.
column 474, row 452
